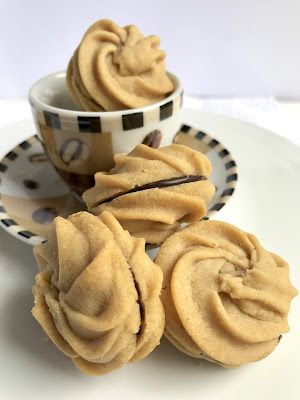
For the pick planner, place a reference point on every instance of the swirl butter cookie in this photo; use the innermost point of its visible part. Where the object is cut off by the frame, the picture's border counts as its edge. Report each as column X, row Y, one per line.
column 97, row 295
column 117, row 68
column 226, row 298
column 151, row 191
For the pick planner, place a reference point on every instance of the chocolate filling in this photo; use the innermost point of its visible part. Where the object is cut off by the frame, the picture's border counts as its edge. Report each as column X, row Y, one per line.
column 179, row 180
column 139, row 301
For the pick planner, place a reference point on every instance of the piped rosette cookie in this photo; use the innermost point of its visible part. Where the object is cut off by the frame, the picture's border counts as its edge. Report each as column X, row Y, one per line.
column 117, row 68
column 226, row 298
column 152, row 191
column 97, row 293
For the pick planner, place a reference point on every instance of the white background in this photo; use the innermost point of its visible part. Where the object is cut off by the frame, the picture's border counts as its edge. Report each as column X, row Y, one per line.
column 218, row 47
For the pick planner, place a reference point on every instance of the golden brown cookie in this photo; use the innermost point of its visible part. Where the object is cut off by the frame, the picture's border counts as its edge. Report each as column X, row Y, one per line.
column 97, row 295
column 151, row 191
column 226, row 298
column 117, row 68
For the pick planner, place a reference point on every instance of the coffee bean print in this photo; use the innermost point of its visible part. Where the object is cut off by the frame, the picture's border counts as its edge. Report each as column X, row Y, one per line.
column 38, row 158
column 153, row 139
column 44, row 215
column 74, row 152
column 31, row 184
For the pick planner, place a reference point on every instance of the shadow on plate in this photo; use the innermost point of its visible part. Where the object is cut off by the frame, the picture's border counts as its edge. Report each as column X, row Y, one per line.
column 25, row 334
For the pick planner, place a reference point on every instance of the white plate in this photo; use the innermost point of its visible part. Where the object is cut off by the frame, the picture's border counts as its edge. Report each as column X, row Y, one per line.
column 266, row 204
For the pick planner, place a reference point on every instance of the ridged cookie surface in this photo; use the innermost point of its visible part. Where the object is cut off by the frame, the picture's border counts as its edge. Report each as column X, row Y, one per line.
column 226, row 298
column 97, row 295
column 151, row 191
column 116, row 68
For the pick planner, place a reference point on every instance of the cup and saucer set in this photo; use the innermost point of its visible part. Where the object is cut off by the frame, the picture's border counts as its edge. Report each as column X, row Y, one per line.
column 44, row 175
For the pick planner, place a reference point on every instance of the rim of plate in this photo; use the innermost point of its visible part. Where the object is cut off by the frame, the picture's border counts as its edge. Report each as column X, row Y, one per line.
column 21, row 233
column 230, row 166
column 6, row 222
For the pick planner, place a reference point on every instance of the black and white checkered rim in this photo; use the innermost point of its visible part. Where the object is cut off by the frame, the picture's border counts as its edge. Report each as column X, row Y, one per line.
column 229, row 165
column 31, row 238
column 6, row 221
column 98, row 124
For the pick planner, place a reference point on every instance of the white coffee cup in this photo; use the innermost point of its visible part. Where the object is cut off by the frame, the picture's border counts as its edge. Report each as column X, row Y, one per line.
column 80, row 143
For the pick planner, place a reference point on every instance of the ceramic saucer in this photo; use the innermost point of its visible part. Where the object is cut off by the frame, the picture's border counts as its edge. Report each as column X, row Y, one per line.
column 32, row 193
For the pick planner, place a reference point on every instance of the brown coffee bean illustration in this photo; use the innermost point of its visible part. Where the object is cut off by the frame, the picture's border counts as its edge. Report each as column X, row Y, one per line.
column 38, row 158
column 153, row 139
column 44, row 215
column 31, row 184
column 74, row 152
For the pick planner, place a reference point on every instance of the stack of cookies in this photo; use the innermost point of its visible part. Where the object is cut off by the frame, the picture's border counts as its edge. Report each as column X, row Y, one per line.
column 212, row 289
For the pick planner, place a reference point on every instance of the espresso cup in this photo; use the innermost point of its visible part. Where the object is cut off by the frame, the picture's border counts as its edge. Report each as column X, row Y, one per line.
column 81, row 143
